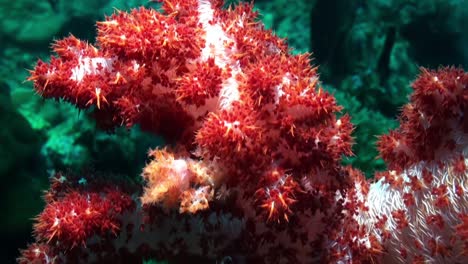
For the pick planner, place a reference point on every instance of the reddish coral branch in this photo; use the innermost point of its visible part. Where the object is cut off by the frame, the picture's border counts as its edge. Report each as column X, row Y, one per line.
column 432, row 126
column 255, row 166
column 78, row 216
column 423, row 195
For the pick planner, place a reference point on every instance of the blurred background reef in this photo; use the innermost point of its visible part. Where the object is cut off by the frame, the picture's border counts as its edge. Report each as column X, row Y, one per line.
column 368, row 52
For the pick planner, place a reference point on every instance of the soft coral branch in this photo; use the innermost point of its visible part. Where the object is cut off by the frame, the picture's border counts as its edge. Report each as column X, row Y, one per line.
column 255, row 169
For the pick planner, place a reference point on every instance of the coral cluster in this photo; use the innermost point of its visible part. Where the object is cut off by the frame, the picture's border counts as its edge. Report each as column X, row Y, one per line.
column 418, row 208
column 254, row 169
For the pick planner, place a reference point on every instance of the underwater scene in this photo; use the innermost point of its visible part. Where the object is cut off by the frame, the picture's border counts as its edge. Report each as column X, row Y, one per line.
column 230, row 132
